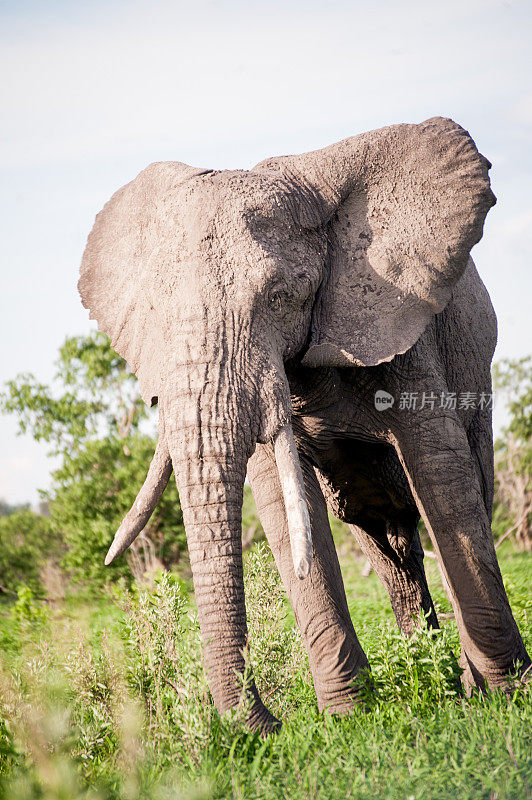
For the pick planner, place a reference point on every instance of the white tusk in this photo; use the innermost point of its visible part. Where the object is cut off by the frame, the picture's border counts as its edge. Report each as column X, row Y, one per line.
column 138, row 516
column 295, row 501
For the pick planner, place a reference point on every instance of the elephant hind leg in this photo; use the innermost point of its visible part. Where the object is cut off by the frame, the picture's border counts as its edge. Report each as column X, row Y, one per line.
column 403, row 578
column 389, row 538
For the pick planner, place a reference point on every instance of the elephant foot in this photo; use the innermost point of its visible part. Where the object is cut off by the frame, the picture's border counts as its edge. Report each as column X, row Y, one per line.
column 342, row 702
column 245, row 708
column 262, row 721
column 518, row 678
column 341, row 708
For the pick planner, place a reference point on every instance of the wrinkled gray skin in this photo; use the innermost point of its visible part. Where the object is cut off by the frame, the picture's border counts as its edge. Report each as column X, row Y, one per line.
column 280, row 299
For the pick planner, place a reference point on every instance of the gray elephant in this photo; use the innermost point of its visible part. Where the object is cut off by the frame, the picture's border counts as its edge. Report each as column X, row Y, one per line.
column 266, row 311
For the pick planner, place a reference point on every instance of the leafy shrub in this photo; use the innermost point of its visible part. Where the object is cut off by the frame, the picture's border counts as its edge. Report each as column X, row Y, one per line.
column 93, row 490
column 27, row 542
column 276, row 652
column 513, row 454
column 164, row 668
column 28, row 615
column 418, row 673
column 99, row 427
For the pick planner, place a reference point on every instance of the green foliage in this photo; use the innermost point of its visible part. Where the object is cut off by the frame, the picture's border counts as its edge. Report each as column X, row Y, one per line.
column 97, row 395
column 417, row 673
column 513, row 454
column 251, row 528
column 94, row 489
column 164, row 669
column 6, row 508
column 275, row 650
column 112, row 703
column 97, row 423
column 24, row 621
column 502, row 518
column 62, row 421
column 27, row 614
column 515, row 379
column 27, row 542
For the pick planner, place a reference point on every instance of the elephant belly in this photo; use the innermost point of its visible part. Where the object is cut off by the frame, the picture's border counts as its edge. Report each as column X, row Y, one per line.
column 365, row 485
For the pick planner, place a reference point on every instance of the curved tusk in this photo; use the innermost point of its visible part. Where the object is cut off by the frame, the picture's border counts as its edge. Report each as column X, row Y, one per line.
column 137, row 518
column 295, row 502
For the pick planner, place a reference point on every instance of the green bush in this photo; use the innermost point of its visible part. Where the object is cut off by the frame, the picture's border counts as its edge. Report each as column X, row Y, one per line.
column 27, row 542
column 98, row 426
column 417, row 673
column 276, row 653
column 93, row 490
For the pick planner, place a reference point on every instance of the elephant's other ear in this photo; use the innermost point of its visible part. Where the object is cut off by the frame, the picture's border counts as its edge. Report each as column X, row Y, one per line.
column 134, row 238
column 404, row 206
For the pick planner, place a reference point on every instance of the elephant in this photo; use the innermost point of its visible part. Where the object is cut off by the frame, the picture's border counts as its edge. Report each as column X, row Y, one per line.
column 265, row 312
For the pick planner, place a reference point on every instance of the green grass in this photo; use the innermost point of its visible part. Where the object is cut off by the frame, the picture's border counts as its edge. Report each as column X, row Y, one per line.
column 105, row 698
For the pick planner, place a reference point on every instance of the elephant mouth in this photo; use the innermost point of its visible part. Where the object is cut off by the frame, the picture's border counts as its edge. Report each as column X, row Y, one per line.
column 291, row 479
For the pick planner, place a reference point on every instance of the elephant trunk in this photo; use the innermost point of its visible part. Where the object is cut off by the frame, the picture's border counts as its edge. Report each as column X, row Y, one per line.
column 210, row 436
column 210, row 492
column 214, row 413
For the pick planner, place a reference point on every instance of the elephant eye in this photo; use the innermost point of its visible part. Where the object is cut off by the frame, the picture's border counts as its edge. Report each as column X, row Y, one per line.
column 277, row 297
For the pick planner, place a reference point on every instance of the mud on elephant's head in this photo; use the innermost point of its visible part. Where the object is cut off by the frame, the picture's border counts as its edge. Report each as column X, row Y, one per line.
column 207, row 282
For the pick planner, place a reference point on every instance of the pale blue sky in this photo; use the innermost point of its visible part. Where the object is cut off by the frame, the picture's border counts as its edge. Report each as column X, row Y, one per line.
column 93, row 92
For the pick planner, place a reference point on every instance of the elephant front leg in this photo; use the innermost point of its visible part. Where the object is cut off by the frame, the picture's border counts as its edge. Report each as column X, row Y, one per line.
column 403, row 578
column 436, row 456
column 319, row 602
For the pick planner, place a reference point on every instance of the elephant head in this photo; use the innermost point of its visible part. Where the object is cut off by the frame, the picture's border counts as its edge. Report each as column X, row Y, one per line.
column 207, row 282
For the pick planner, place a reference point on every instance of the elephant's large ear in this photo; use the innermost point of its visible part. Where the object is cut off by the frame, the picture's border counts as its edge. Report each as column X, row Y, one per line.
column 404, row 206
column 131, row 242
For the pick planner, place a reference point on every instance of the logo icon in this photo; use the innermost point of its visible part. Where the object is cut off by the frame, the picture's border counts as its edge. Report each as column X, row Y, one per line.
column 383, row 400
